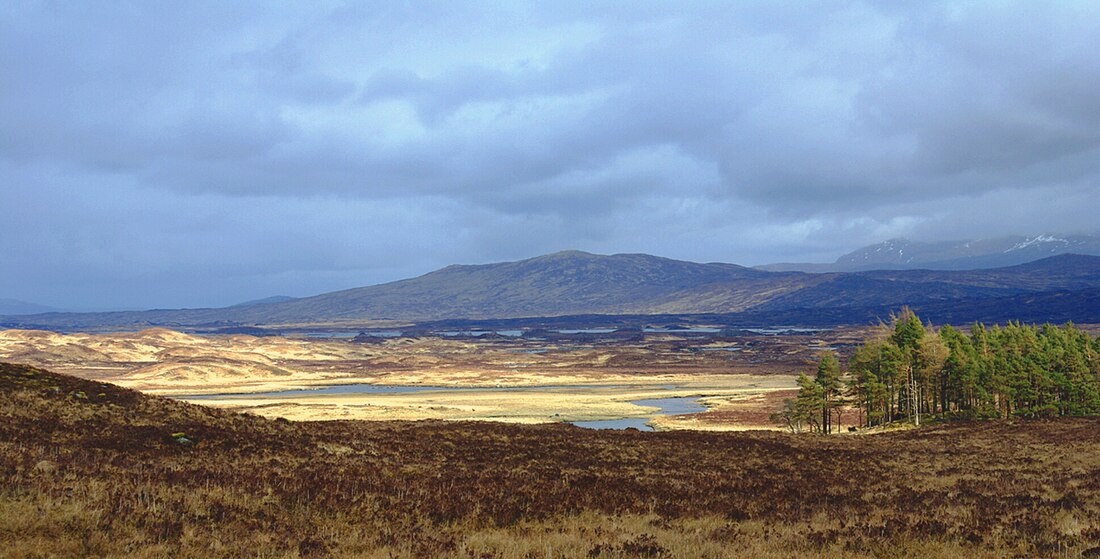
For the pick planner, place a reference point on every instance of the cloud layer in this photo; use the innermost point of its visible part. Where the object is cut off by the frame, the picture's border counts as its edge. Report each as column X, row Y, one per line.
column 205, row 153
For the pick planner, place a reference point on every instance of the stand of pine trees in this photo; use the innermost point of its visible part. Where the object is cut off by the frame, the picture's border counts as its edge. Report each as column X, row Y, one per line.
column 911, row 372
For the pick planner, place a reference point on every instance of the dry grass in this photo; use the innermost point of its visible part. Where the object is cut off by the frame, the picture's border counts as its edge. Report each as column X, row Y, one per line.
column 167, row 362
column 545, row 405
column 161, row 361
column 94, row 470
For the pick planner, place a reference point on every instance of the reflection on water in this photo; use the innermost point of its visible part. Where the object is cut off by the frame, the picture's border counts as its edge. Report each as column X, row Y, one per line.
column 673, row 406
column 667, row 406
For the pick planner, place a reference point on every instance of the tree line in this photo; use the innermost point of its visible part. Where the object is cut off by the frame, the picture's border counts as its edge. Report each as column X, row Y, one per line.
column 909, row 371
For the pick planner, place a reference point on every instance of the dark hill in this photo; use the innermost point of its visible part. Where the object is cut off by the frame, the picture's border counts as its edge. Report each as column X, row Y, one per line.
column 903, row 254
column 568, row 282
column 93, row 470
column 578, row 283
column 884, row 289
column 14, row 307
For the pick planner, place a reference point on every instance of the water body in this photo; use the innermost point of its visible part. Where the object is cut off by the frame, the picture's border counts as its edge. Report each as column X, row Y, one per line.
column 585, row 331
column 647, row 330
column 465, row 333
column 666, row 406
column 518, row 333
column 363, row 388
column 673, row 406
column 337, row 335
column 684, row 330
column 784, row 331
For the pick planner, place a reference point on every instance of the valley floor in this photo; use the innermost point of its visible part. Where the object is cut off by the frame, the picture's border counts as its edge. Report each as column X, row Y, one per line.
column 91, row 469
column 740, row 378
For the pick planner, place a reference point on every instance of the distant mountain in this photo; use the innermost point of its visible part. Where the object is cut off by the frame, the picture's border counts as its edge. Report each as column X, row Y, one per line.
column 578, row 283
column 264, row 301
column 16, row 307
column 568, row 282
column 899, row 254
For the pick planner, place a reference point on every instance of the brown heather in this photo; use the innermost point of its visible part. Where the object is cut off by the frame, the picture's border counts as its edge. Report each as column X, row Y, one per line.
column 93, row 470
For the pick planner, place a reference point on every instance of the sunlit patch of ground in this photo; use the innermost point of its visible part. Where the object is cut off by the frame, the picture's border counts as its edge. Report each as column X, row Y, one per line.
column 552, row 404
column 733, row 375
column 738, row 413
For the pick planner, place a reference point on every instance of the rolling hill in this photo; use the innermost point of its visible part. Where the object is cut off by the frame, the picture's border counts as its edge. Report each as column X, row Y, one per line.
column 904, row 254
column 90, row 469
column 17, row 307
column 579, row 283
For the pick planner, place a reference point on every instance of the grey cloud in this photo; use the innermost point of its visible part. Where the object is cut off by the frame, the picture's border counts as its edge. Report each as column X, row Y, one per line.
column 301, row 148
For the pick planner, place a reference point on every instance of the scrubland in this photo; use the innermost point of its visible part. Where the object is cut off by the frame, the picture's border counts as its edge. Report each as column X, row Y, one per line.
column 92, row 469
column 594, row 377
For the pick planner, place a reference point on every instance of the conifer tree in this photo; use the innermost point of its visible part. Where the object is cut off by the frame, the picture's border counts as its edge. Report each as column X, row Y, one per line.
column 910, row 370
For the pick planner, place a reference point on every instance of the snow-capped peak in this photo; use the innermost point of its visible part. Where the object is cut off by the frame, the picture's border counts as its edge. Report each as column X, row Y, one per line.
column 1037, row 240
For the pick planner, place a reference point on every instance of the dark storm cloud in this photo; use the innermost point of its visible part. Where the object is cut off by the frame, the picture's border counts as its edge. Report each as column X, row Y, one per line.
column 204, row 153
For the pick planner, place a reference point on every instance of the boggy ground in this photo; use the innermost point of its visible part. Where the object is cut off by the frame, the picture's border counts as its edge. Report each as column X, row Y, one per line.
column 735, row 373
column 91, row 469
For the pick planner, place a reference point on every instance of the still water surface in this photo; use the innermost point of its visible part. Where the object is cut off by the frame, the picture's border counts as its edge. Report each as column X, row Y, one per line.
column 666, row 406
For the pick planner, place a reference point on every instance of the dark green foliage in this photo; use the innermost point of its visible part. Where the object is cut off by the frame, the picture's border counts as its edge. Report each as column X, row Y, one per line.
column 828, row 378
column 908, row 371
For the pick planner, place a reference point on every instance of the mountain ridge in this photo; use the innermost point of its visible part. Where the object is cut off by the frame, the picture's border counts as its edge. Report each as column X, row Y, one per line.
column 902, row 253
column 18, row 307
column 572, row 283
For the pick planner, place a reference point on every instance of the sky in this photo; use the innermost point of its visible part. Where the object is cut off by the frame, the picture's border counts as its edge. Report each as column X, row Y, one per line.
column 189, row 154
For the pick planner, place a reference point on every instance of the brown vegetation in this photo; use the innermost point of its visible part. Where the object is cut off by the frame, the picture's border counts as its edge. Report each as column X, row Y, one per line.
column 164, row 362
column 90, row 469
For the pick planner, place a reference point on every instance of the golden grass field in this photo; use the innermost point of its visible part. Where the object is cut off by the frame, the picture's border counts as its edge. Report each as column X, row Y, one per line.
column 584, row 381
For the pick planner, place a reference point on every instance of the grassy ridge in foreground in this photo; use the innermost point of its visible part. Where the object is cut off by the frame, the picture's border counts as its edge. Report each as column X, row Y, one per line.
column 88, row 469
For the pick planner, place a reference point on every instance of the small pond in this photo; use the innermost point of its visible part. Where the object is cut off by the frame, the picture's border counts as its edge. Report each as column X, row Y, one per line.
column 668, row 406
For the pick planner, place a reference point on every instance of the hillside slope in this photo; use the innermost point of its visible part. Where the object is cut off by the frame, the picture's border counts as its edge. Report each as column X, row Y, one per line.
column 17, row 307
column 88, row 469
column 577, row 283
column 904, row 254
column 568, row 282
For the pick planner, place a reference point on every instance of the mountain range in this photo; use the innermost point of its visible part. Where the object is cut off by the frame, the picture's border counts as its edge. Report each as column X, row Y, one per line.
column 578, row 283
column 17, row 307
column 903, row 254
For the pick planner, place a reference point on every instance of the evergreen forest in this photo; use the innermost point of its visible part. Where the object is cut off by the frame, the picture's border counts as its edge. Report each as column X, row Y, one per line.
column 912, row 372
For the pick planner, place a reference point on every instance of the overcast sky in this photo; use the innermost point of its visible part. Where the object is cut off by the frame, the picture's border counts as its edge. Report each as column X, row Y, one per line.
column 167, row 154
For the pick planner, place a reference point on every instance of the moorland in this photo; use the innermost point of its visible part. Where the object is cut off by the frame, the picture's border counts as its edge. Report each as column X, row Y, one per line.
column 196, row 433
column 742, row 376
column 92, row 469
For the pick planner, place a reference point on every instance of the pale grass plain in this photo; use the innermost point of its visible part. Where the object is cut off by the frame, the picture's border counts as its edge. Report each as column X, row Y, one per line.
column 584, row 383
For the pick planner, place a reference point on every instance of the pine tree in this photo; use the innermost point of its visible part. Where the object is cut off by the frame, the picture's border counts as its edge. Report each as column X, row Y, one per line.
column 809, row 403
column 828, row 378
column 910, row 370
column 907, row 336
